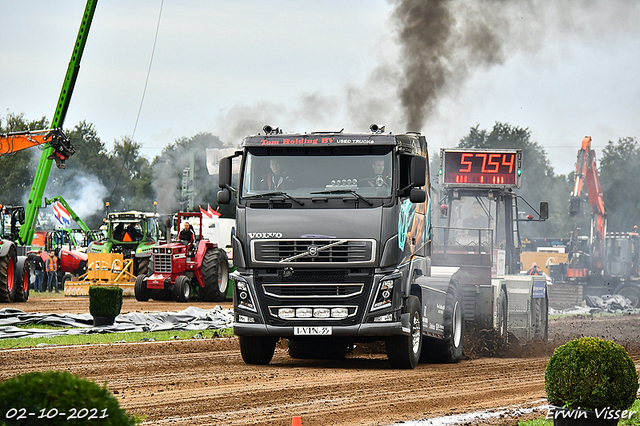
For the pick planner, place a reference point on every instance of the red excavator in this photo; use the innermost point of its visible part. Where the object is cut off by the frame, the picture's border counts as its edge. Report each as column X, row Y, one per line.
column 603, row 262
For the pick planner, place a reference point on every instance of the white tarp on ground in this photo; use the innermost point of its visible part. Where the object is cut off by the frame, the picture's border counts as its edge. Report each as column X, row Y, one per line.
column 191, row 318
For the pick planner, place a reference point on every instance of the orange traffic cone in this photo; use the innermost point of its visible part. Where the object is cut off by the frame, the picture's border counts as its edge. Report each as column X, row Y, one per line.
column 297, row 421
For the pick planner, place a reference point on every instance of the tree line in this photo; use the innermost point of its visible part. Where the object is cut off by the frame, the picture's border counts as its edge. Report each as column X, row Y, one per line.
column 121, row 176
column 127, row 179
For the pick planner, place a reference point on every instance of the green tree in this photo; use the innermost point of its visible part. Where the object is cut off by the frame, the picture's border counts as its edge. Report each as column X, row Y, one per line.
column 128, row 177
column 17, row 170
column 539, row 182
column 620, row 189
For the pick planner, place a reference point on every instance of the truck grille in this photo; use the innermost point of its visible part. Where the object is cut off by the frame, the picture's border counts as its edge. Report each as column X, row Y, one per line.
column 312, row 290
column 325, row 288
column 162, row 263
column 334, row 251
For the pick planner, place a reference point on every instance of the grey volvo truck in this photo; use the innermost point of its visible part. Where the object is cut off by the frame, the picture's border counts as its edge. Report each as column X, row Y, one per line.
column 333, row 246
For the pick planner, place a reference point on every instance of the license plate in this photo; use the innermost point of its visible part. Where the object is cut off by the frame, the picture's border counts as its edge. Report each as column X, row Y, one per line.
column 312, row 331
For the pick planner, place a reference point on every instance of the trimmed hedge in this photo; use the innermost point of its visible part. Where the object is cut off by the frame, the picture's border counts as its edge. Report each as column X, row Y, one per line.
column 590, row 373
column 59, row 398
column 105, row 301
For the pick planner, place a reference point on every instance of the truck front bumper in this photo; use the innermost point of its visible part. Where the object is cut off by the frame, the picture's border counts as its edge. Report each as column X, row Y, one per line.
column 370, row 329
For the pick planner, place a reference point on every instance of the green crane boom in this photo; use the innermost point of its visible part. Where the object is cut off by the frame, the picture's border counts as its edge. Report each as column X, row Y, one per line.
column 48, row 154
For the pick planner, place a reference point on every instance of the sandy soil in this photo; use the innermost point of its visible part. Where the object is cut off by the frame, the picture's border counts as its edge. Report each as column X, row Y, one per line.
column 205, row 382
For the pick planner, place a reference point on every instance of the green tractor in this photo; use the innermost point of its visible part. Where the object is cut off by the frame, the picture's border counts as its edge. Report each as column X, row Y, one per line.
column 133, row 234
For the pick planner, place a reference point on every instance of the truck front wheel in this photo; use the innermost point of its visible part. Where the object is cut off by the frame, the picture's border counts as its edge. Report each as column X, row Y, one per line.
column 404, row 351
column 257, row 350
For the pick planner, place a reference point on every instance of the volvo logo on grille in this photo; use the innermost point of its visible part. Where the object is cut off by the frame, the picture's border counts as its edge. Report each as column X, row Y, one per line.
column 264, row 234
column 313, row 251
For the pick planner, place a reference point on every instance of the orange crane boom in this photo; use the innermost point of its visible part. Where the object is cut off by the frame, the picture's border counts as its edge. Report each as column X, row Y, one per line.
column 17, row 141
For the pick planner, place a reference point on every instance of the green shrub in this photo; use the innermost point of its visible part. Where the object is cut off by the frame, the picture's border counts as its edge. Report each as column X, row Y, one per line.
column 48, row 394
column 590, row 373
column 105, row 301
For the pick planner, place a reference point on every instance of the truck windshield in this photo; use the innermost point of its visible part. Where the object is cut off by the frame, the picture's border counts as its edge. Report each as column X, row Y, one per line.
column 301, row 172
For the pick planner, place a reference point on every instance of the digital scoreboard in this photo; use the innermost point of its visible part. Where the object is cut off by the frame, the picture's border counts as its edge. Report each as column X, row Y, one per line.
column 481, row 167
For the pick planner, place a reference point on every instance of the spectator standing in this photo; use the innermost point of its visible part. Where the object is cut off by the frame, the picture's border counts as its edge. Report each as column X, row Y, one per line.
column 38, row 268
column 51, row 265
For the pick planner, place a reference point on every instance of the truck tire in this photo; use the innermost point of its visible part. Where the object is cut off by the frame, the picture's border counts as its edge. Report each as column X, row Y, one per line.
column 449, row 349
column 317, row 349
column 182, row 288
column 257, row 350
column 140, row 289
column 22, row 280
column 631, row 292
column 215, row 273
column 404, row 351
column 7, row 276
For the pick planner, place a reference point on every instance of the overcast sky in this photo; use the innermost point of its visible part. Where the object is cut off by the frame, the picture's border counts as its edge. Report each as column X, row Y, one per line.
column 566, row 69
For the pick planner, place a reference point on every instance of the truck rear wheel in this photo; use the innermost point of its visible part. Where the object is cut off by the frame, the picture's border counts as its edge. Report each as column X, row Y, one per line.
column 257, row 350
column 404, row 351
column 182, row 288
column 140, row 289
column 449, row 349
column 7, row 276
column 215, row 272
column 22, row 279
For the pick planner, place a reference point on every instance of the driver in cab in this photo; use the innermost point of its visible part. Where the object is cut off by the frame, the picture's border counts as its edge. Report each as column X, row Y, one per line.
column 380, row 179
column 186, row 234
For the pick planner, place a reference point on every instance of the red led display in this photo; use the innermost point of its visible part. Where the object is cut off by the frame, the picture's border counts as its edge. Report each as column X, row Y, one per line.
column 481, row 167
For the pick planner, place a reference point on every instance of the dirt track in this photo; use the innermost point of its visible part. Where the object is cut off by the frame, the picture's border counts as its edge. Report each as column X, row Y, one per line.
column 206, row 382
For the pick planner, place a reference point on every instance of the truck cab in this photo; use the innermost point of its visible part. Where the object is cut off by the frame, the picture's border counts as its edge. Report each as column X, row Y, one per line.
column 333, row 245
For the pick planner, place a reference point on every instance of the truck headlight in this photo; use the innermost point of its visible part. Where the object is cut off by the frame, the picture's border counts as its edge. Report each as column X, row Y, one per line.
column 384, row 295
column 243, row 294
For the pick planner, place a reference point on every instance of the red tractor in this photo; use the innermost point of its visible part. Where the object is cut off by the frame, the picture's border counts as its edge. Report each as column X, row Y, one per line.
column 183, row 270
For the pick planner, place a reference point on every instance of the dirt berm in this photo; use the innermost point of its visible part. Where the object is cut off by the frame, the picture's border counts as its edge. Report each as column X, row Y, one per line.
column 205, row 382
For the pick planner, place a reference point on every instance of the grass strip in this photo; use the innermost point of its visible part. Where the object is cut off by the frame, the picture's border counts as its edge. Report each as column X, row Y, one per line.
column 87, row 339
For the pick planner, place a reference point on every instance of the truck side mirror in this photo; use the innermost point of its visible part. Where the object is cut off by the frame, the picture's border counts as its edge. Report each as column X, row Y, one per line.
column 418, row 171
column 544, row 210
column 224, row 172
column 224, row 196
column 417, row 195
